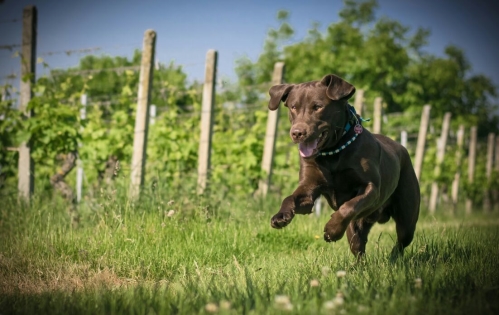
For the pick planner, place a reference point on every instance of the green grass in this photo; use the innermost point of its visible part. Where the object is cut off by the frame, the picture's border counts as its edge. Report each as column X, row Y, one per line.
column 222, row 253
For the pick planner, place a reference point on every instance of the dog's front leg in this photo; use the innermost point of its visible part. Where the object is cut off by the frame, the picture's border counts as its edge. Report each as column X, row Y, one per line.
column 301, row 202
column 337, row 225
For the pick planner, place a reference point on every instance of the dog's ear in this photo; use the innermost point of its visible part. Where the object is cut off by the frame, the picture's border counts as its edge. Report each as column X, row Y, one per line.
column 337, row 88
column 277, row 94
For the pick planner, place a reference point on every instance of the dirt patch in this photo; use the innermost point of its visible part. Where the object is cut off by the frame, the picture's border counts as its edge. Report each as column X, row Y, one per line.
column 67, row 278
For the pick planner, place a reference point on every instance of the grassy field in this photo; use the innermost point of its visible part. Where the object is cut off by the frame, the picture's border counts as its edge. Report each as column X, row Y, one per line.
column 196, row 256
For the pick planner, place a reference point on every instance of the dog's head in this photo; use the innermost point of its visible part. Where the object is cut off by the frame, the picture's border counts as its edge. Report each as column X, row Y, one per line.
column 318, row 111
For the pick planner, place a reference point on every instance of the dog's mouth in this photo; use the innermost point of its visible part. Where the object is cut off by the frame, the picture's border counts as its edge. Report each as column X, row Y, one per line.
column 311, row 148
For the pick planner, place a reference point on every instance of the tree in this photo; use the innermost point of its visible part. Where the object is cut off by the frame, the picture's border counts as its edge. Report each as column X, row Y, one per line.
column 383, row 57
column 250, row 74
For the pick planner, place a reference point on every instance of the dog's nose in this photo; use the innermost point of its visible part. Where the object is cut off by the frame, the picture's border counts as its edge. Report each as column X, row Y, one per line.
column 298, row 133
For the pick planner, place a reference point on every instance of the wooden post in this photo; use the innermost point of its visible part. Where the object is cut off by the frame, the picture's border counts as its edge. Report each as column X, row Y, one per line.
column 271, row 134
column 4, row 95
column 378, row 109
column 490, row 154
column 420, row 147
column 79, row 169
column 142, row 114
column 471, row 166
column 359, row 102
column 496, row 155
column 403, row 138
column 495, row 192
column 26, row 166
column 4, row 99
column 441, row 144
column 204, row 155
column 457, row 176
column 487, row 204
column 152, row 114
column 318, row 206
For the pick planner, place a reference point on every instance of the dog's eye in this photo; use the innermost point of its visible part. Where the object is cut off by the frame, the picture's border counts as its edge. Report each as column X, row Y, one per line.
column 293, row 107
column 317, row 107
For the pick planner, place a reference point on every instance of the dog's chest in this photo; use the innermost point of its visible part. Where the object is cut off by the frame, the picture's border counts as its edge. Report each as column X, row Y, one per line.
column 341, row 185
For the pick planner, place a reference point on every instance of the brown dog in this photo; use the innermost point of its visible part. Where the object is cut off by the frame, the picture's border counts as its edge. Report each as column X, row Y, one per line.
column 365, row 178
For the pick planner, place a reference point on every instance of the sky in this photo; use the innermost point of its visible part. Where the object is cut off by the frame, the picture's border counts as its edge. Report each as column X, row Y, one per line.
column 187, row 29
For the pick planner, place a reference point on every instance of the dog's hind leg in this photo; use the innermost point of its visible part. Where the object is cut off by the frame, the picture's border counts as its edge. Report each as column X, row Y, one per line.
column 405, row 211
column 357, row 232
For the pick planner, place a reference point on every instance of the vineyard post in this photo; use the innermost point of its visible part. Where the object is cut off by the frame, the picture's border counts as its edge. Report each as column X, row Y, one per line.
column 26, row 167
column 403, row 138
column 420, row 147
column 495, row 192
column 271, row 134
column 318, row 206
column 208, row 104
column 496, row 154
column 152, row 114
column 4, row 99
column 142, row 115
column 471, row 166
column 378, row 109
column 441, row 144
column 457, row 176
column 359, row 102
column 487, row 206
column 79, row 170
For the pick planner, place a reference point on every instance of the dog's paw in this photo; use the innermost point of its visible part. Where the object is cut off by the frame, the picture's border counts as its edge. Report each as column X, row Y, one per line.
column 281, row 219
column 335, row 229
column 333, row 236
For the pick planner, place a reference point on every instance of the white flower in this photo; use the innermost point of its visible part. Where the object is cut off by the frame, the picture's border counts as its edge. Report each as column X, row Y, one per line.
column 225, row 305
column 418, row 283
column 283, row 302
column 338, row 300
column 211, row 308
column 341, row 273
column 170, row 213
column 314, row 283
column 282, row 299
column 329, row 305
column 325, row 270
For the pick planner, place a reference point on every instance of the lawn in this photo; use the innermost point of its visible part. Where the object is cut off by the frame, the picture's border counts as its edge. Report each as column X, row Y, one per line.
column 194, row 255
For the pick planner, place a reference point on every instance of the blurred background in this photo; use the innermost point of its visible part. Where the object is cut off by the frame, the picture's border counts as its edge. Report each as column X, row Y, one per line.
column 401, row 55
column 236, row 29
